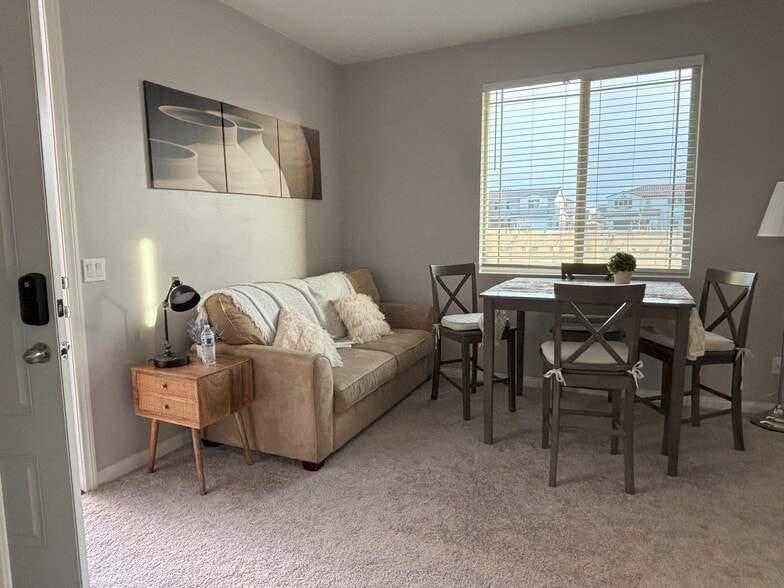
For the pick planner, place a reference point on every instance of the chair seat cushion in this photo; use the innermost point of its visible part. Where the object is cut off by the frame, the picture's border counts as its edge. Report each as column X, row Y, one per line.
column 595, row 355
column 462, row 322
column 713, row 341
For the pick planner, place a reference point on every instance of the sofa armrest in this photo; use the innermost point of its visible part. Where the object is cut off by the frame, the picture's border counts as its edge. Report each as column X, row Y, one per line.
column 408, row 316
column 292, row 411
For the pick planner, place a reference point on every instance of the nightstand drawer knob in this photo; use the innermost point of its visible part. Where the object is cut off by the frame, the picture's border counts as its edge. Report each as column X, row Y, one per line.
column 164, row 385
column 166, row 406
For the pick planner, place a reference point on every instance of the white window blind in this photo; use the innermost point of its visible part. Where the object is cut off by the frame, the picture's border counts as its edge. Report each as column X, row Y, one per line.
column 574, row 170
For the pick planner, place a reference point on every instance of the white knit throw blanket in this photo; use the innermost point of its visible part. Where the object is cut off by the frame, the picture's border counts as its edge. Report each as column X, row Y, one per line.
column 310, row 297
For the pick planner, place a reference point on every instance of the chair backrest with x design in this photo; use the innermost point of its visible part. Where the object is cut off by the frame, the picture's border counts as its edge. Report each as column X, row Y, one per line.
column 716, row 309
column 572, row 271
column 461, row 274
column 620, row 307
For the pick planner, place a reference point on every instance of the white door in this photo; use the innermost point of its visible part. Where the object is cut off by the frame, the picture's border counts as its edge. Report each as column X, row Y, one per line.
column 39, row 488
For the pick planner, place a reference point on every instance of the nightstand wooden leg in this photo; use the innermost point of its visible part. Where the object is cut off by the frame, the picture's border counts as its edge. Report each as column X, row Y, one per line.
column 153, row 446
column 196, row 434
column 243, row 437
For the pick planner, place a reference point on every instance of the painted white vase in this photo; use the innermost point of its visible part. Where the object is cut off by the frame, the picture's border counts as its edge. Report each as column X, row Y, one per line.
column 176, row 167
column 249, row 137
column 222, row 162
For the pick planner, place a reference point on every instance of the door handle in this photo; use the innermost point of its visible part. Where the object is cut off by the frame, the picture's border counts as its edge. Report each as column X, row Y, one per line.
column 38, row 353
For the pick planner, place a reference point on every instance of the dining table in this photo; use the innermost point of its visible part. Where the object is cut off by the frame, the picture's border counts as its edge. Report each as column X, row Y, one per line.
column 663, row 300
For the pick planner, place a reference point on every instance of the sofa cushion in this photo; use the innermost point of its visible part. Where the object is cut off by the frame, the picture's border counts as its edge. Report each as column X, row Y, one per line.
column 364, row 321
column 232, row 325
column 363, row 371
column 406, row 345
column 362, row 281
column 296, row 332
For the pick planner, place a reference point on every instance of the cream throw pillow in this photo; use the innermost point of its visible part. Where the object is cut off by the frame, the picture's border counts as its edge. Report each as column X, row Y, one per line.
column 296, row 332
column 364, row 321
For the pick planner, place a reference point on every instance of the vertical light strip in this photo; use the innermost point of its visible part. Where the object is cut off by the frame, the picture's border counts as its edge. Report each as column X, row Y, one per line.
column 149, row 292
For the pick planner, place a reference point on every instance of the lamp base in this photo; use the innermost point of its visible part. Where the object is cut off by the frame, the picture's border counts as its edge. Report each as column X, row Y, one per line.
column 171, row 360
column 772, row 420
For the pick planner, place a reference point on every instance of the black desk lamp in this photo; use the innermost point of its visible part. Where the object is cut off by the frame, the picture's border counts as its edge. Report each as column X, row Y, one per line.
column 180, row 298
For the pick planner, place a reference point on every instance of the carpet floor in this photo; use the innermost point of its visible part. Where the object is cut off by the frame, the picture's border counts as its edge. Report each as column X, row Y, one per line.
column 418, row 500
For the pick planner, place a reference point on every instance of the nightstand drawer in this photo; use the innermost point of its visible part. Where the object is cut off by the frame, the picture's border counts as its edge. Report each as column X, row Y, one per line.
column 167, row 386
column 168, row 408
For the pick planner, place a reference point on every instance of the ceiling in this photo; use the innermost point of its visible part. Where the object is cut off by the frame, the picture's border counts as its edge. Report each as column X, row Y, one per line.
column 349, row 31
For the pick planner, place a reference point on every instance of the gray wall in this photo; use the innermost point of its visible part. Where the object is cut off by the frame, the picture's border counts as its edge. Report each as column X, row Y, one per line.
column 209, row 240
column 411, row 155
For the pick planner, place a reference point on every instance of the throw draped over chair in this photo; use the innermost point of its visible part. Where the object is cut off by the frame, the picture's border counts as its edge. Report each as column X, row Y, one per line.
column 447, row 282
column 725, row 302
column 596, row 363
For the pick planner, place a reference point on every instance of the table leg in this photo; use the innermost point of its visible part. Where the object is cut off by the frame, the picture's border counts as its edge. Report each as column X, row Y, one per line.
column 196, row 435
column 520, row 352
column 676, row 391
column 243, row 437
column 153, row 445
column 488, row 364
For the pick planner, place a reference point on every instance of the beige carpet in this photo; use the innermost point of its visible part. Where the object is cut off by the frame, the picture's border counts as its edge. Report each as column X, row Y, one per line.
column 419, row 500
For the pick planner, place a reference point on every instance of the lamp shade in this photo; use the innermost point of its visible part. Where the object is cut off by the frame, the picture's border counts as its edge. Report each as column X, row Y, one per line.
column 773, row 222
column 183, row 298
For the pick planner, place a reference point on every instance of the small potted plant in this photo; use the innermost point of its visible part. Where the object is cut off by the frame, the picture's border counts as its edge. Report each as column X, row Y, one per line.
column 621, row 265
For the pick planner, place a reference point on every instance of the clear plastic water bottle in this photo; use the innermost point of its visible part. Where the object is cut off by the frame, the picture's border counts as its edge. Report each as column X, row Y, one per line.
column 207, row 346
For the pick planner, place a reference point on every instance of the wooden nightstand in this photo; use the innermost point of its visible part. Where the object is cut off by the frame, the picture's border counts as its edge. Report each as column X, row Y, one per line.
column 194, row 396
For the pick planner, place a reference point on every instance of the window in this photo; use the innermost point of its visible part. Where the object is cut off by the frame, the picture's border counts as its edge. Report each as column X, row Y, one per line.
column 610, row 156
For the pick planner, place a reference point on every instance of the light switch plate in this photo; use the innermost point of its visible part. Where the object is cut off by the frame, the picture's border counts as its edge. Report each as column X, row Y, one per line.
column 94, row 270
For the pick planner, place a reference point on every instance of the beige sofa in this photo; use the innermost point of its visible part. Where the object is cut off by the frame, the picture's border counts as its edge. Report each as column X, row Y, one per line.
column 304, row 408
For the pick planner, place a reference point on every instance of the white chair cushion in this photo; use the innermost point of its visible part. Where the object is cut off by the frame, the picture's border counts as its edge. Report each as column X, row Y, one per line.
column 596, row 354
column 713, row 341
column 462, row 322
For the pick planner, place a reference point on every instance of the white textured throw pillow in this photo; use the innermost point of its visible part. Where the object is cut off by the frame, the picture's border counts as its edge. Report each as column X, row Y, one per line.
column 296, row 332
column 364, row 321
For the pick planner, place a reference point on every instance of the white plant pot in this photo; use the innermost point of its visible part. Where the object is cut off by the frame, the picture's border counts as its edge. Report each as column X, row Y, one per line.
column 622, row 277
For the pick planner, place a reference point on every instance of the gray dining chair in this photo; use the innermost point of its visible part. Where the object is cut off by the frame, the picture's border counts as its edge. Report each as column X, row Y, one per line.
column 595, row 363
column 572, row 329
column 717, row 314
column 462, row 325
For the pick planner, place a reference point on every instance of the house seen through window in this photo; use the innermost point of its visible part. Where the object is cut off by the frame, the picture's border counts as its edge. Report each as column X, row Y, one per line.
column 577, row 168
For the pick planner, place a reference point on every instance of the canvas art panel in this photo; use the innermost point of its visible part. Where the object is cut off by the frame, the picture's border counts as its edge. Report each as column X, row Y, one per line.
column 196, row 143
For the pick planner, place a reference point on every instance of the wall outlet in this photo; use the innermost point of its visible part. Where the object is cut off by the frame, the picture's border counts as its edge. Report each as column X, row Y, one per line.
column 775, row 365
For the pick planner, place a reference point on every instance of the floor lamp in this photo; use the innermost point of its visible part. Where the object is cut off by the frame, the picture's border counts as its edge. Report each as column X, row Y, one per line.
column 773, row 226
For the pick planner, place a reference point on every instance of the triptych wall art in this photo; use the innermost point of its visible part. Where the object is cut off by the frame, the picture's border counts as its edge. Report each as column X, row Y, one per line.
column 197, row 143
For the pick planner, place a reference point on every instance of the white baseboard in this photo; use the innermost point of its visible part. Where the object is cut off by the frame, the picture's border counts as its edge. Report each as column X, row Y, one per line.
column 139, row 459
